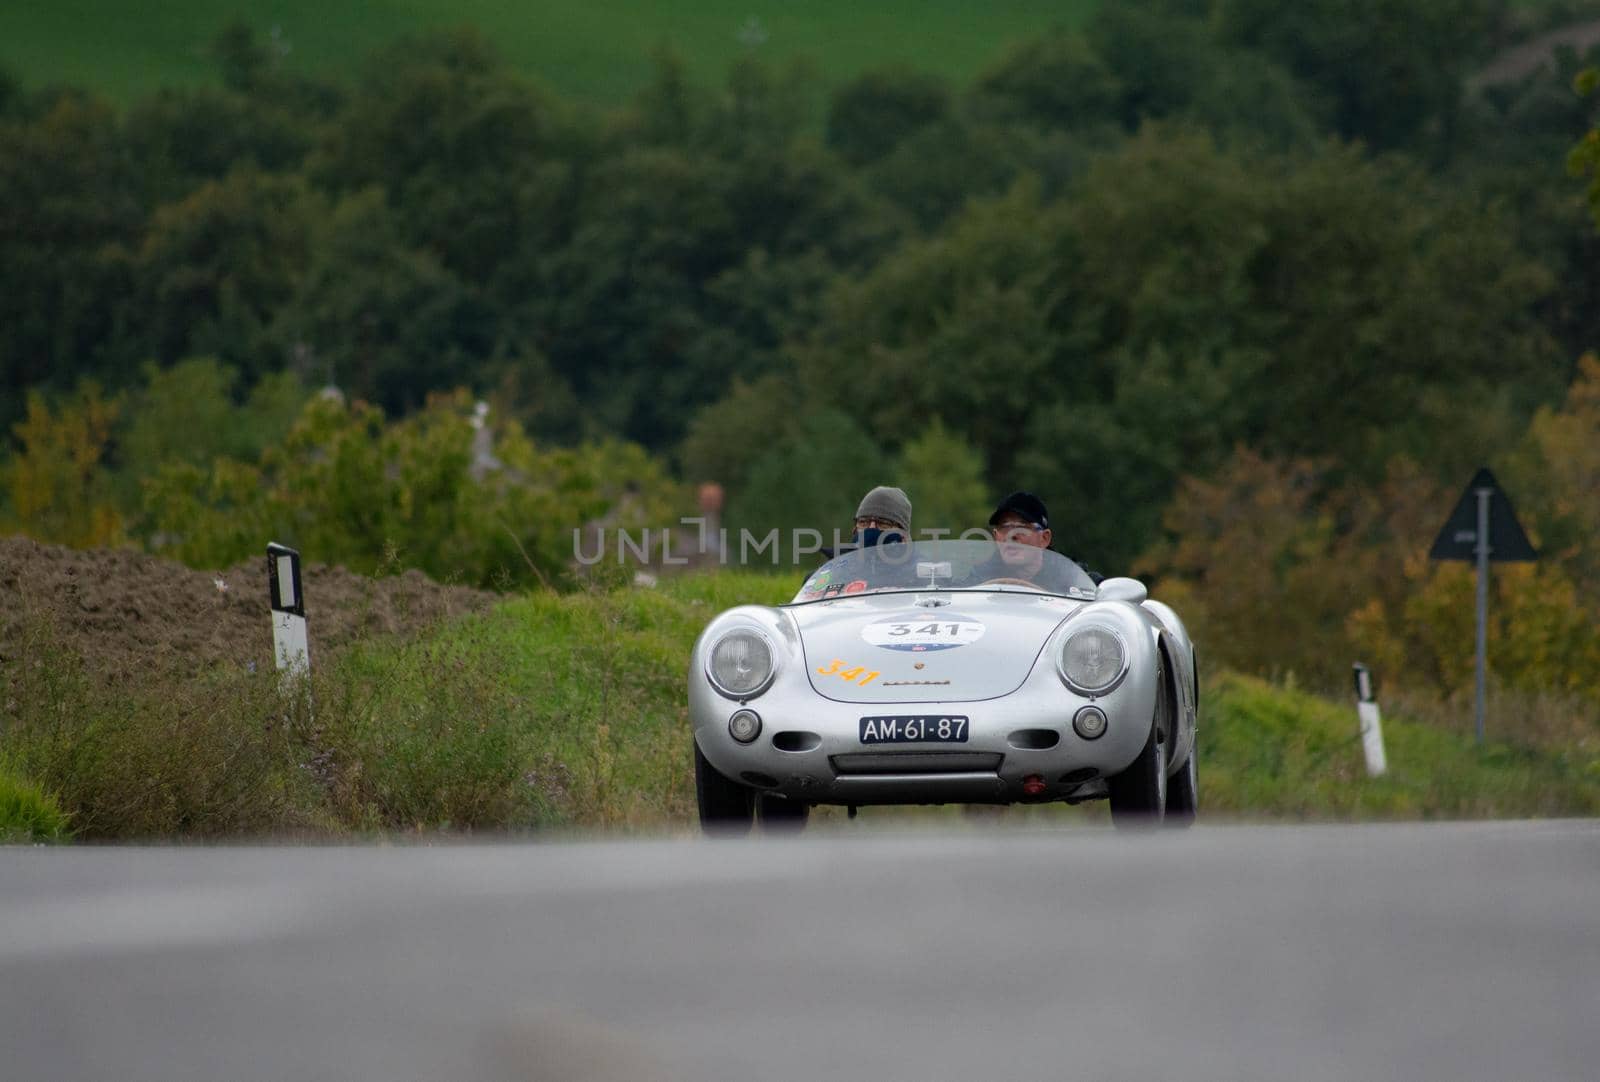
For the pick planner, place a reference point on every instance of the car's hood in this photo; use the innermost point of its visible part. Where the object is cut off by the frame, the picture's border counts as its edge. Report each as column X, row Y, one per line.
column 944, row 646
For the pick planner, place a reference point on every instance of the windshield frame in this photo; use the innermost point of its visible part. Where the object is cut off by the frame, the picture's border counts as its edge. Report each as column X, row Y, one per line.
column 848, row 566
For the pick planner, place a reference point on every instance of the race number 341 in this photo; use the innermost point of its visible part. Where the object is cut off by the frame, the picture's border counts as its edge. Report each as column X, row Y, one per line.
column 921, row 634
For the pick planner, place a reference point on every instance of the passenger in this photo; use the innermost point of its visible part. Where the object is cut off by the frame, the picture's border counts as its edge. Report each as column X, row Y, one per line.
column 882, row 518
column 884, row 515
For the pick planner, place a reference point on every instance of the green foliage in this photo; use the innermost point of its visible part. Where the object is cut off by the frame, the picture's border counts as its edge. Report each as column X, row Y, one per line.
column 1170, row 64
column 1583, row 160
column 28, row 813
column 56, row 485
column 217, row 265
column 813, row 479
column 872, row 114
column 430, row 491
column 1385, row 68
column 1559, row 470
column 377, row 316
column 943, row 474
column 1274, row 752
column 460, row 145
column 187, row 414
column 67, row 215
column 1052, row 81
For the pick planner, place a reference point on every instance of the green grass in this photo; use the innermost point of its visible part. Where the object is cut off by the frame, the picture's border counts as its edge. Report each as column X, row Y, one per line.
column 1272, row 752
column 568, row 711
column 596, row 51
column 28, row 813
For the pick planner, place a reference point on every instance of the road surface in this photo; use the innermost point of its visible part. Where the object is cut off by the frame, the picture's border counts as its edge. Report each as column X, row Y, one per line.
column 1453, row 951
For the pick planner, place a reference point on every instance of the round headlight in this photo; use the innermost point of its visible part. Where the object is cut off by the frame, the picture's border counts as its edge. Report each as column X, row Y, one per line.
column 1093, row 660
column 741, row 663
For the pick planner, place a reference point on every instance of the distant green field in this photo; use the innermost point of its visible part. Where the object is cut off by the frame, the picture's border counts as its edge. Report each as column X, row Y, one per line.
column 598, row 51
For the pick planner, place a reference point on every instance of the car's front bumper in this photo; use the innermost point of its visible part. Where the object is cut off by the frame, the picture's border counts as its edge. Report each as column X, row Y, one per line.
column 810, row 748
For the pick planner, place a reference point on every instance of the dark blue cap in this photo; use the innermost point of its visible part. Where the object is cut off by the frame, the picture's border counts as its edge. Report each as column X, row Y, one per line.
column 1025, row 504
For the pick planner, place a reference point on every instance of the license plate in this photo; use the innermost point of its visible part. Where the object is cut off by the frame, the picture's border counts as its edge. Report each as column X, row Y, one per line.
column 914, row 729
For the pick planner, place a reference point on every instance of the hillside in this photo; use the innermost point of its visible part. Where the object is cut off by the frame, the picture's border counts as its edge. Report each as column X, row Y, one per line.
column 600, row 52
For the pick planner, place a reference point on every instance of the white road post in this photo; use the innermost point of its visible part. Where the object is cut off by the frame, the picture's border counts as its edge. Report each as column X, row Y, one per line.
column 1371, row 723
column 289, row 643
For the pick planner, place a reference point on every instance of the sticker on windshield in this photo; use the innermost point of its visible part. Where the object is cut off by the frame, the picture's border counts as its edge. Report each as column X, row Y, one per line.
column 918, row 635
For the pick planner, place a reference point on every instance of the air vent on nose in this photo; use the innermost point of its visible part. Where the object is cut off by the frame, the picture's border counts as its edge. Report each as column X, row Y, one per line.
column 795, row 740
column 1034, row 739
column 764, row 781
column 1083, row 774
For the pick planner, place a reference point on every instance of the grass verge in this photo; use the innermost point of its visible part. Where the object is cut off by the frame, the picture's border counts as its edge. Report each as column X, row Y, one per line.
column 1270, row 751
column 28, row 813
column 568, row 710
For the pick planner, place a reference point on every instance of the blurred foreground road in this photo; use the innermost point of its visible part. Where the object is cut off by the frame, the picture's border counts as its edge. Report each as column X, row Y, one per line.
column 1467, row 951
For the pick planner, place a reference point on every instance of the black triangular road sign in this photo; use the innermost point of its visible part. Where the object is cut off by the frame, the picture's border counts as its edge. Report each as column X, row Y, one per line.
column 1459, row 538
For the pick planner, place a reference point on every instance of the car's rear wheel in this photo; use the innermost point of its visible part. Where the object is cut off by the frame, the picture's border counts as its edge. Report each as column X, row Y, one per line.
column 1139, row 793
column 1183, row 794
column 726, row 807
column 780, row 814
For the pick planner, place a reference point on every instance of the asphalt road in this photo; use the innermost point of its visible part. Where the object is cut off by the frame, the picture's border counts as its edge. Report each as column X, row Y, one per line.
column 1453, row 952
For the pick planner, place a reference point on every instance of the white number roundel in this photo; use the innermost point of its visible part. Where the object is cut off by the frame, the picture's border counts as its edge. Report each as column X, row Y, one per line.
column 921, row 633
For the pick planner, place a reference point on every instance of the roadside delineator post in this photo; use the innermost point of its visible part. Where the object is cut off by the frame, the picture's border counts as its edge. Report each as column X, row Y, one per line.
column 289, row 644
column 1371, row 723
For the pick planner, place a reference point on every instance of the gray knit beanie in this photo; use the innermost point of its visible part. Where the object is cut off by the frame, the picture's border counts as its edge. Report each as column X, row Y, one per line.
column 888, row 504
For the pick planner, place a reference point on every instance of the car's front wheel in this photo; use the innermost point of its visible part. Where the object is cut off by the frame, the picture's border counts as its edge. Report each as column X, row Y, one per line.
column 1183, row 794
column 726, row 807
column 1139, row 793
column 779, row 814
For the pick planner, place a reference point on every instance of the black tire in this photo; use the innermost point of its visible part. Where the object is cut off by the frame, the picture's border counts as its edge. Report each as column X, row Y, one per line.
column 1139, row 793
column 1183, row 794
column 726, row 807
column 779, row 814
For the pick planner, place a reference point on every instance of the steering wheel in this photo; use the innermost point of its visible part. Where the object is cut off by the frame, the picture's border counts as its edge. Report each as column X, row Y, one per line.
column 1010, row 582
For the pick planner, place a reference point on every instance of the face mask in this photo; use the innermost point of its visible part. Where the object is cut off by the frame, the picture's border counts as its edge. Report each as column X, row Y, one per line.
column 872, row 537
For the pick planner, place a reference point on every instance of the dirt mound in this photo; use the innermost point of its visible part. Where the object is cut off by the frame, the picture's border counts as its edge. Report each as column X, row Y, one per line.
column 128, row 613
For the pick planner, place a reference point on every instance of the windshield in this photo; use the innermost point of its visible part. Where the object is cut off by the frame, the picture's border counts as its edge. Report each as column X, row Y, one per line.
column 947, row 565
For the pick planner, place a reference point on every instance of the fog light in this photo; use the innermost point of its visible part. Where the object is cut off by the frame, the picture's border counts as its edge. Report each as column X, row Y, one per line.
column 744, row 726
column 1090, row 723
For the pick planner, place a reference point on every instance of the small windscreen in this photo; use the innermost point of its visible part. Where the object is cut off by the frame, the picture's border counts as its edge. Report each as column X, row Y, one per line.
column 947, row 565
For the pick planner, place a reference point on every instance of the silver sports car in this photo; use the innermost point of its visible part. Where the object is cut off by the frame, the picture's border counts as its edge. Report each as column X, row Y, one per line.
column 945, row 672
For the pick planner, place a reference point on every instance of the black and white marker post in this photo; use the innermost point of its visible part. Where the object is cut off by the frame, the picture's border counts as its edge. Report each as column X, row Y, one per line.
column 289, row 643
column 1483, row 528
column 1371, row 723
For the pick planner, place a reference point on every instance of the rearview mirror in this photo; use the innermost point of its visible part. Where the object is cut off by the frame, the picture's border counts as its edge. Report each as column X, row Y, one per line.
column 932, row 571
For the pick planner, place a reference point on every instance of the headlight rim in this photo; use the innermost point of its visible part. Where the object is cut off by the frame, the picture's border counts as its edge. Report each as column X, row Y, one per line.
column 1115, row 682
column 758, row 690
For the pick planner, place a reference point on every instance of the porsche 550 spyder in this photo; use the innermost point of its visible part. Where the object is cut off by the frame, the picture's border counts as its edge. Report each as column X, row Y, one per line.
column 934, row 672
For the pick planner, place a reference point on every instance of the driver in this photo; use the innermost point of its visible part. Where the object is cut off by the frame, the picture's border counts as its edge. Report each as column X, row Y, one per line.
column 1021, row 529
